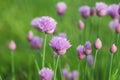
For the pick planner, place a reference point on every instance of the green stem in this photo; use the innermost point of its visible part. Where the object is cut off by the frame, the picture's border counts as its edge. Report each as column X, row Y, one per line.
column 60, row 68
column 12, row 65
column 56, row 68
column 95, row 59
column 79, row 69
column 117, row 39
column 29, row 67
column 37, row 66
column 44, row 50
column 85, row 70
column 110, row 66
column 0, row 78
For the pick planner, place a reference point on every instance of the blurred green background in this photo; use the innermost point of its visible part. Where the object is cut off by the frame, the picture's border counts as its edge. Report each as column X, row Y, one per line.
column 15, row 18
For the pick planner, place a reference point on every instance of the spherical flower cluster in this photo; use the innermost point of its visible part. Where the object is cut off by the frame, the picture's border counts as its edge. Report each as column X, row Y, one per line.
column 93, row 11
column 46, row 74
column 101, row 9
column 63, row 35
column 61, row 8
column 113, row 24
column 113, row 11
column 81, row 53
column 36, row 42
column 70, row 75
column 12, row 45
column 60, row 45
column 45, row 24
column 85, row 11
column 90, row 60
column 81, row 25
column 113, row 48
column 98, row 44
column 88, row 48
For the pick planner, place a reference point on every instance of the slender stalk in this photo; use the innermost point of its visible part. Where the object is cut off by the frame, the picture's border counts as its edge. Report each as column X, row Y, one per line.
column 117, row 39
column 95, row 59
column 44, row 50
column 79, row 69
column 60, row 68
column 0, row 78
column 12, row 65
column 29, row 67
column 110, row 66
column 56, row 68
column 85, row 70
column 37, row 66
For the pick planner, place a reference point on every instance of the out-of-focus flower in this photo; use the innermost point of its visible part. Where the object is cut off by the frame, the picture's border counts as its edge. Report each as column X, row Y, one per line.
column 98, row 44
column 60, row 45
column 113, row 48
column 81, row 53
column 81, row 25
column 46, row 74
column 88, row 48
column 93, row 11
column 75, row 75
column 61, row 8
column 63, row 35
column 30, row 35
column 113, row 11
column 90, row 60
column 65, row 73
column 85, row 11
column 113, row 24
column 12, row 45
column 117, row 29
column 101, row 9
column 44, row 24
column 36, row 42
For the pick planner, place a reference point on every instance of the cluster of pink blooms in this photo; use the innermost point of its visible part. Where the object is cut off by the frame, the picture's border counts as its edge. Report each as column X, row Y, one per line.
column 60, row 44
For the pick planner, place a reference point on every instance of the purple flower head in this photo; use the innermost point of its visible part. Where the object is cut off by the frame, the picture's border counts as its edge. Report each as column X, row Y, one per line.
column 113, row 24
column 65, row 73
column 90, row 60
column 30, row 35
column 93, row 11
column 46, row 74
column 88, row 48
column 85, row 11
column 113, row 11
column 119, row 9
column 63, row 35
column 36, row 42
column 60, row 45
column 75, row 75
column 101, row 8
column 44, row 24
column 61, row 8
column 81, row 53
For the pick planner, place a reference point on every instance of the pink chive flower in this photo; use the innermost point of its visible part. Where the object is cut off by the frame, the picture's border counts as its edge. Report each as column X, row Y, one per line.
column 117, row 29
column 85, row 11
column 113, row 24
column 12, row 45
column 101, row 9
column 113, row 48
column 61, row 8
column 75, row 75
column 93, row 11
column 46, row 74
column 44, row 24
column 30, row 35
column 36, row 42
column 81, row 53
column 113, row 11
column 81, row 25
column 63, row 35
column 90, row 60
column 60, row 45
column 98, row 44
column 88, row 48
column 65, row 73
